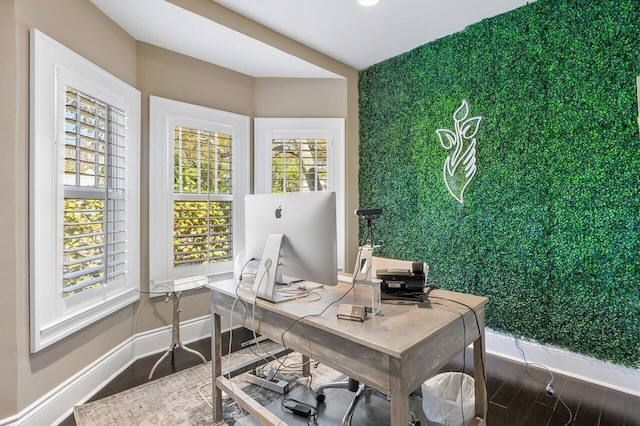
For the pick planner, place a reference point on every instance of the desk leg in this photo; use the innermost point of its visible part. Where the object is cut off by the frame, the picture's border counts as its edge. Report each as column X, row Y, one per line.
column 399, row 395
column 479, row 375
column 306, row 366
column 216, row 368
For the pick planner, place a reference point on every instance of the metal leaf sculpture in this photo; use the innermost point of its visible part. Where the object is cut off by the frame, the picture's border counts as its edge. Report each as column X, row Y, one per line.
column 460, row 166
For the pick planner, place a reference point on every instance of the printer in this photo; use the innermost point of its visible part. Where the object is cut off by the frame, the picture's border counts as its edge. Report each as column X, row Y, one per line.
column 395, row 281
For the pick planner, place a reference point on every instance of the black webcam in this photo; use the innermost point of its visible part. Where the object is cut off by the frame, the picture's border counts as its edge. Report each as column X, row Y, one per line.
column 368, row 213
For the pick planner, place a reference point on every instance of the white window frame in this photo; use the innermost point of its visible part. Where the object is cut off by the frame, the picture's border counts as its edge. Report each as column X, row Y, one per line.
column 164, row 115
column 53, row 68
column 331, row 129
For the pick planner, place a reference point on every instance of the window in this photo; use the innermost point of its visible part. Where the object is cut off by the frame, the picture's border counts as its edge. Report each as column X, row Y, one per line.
column 302, row 154
column 84, row 207
column 199, row 176
column 202, row 202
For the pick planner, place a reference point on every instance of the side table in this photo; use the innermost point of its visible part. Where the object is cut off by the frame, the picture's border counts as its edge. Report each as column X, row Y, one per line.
column 174, row 295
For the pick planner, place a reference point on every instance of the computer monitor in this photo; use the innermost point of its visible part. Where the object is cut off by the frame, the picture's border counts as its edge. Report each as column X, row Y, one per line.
column 294, row 236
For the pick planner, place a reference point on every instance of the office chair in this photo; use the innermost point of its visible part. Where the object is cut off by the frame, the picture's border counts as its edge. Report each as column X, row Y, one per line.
column 361, row 390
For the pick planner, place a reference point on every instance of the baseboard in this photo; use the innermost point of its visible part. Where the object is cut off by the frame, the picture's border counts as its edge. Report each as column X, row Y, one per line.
column 564, row 362
column 57, row 405
column 154, row 341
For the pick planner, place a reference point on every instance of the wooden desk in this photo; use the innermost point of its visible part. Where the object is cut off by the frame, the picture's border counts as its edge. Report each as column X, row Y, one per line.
column 393, row 352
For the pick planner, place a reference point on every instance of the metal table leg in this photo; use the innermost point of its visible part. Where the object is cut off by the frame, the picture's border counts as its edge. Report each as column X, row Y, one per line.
column 175, row 333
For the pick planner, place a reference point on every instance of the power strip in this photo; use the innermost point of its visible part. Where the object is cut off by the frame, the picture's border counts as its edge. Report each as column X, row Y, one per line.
column 275, row 385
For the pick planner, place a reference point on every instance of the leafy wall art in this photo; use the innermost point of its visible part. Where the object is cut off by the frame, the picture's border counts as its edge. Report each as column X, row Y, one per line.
column 460, row 166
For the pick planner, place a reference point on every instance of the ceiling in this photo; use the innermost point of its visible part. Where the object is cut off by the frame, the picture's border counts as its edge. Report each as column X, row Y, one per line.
column 342, row 29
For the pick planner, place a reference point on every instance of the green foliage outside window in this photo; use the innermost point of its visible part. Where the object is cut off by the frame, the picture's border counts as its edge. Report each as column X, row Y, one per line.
column 202, row 162
column 202, row 232
column 83, row 244
column 550, row 226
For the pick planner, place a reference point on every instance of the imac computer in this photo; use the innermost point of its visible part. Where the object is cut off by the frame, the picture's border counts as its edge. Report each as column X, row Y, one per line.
column 294, row 236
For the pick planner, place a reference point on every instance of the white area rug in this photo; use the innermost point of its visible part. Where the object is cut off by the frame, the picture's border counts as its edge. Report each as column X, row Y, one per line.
column 179, row 399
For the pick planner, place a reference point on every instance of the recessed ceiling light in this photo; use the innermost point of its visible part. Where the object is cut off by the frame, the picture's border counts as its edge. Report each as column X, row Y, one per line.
column 368, row 2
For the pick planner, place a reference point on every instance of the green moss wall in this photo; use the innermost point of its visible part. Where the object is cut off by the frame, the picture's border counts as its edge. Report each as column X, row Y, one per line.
column 550, row 227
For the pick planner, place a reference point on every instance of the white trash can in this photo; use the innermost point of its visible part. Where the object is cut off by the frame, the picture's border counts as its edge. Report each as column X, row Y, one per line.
column 446, row 397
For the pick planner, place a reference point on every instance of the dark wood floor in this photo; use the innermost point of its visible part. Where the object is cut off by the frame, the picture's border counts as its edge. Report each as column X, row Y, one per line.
column 517, row 393
column 517, row 396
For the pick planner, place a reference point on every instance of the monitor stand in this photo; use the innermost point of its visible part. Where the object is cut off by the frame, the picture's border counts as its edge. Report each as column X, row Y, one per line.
column 267, row 275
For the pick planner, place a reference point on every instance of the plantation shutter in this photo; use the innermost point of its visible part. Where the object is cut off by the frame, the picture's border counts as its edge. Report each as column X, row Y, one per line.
column 203, row 197
column 94, row 222
column 298, row 165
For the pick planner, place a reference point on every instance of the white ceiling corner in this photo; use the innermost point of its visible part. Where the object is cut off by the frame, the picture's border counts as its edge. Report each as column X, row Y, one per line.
column 166, row 25
column 355, row 35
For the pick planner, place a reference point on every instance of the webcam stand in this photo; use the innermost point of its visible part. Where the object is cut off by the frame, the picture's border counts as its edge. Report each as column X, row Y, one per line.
column 367, row 289
column 362, row 270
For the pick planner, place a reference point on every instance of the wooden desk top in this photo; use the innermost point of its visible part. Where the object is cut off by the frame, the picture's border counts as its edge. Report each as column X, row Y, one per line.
column 393, row 331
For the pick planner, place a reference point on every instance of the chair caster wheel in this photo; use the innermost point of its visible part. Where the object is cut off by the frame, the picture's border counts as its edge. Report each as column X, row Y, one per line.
column 320, row 398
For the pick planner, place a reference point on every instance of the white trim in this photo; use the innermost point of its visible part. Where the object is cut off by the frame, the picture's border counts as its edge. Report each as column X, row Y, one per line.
column 52, row 68
column 50, row 333
column 58, row 404
column 164, row 115
column 564, row 362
